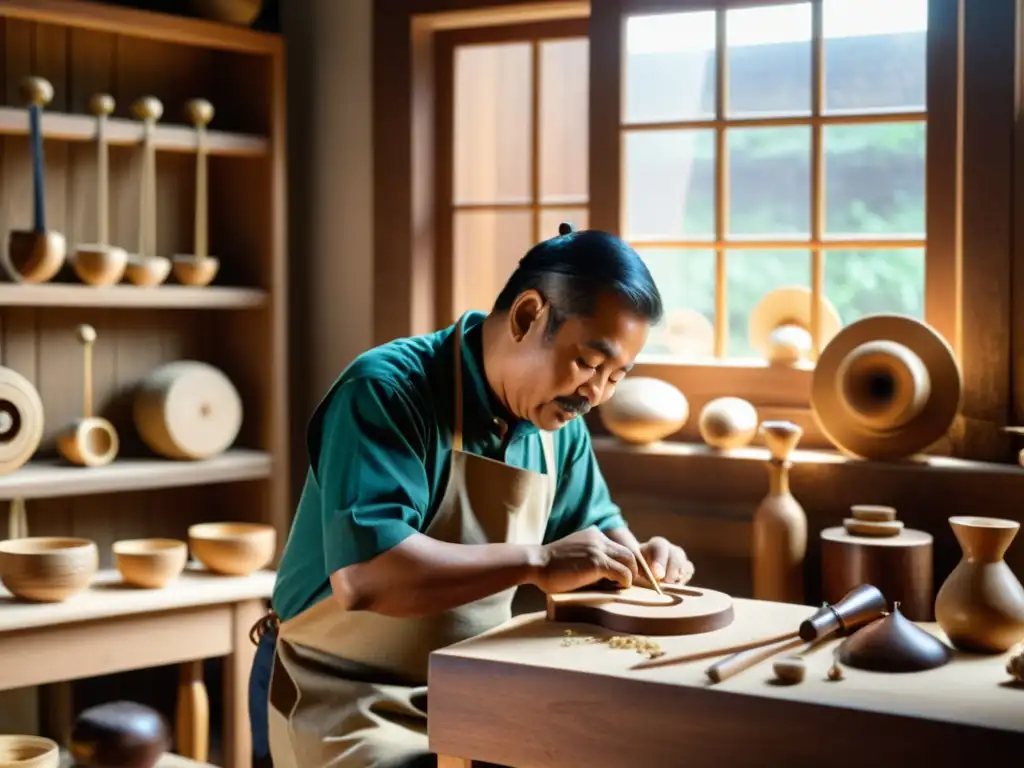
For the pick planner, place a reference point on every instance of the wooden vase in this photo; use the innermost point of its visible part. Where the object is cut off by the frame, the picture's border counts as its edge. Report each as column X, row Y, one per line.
column 780, row 523
column 980, row 606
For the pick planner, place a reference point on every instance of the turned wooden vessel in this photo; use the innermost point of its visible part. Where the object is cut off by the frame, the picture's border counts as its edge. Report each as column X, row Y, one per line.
column 727, row 422
column 873, row 547
column 47, row 569
column 980, row 606
column 36, row 255
column 233, row 549
column 780, row 523
column 644, row 410
column 150, row 563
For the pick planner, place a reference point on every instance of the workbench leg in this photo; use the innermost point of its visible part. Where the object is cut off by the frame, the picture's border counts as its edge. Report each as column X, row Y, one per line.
column 237, row 731
column 447, row 761
column 192, row 720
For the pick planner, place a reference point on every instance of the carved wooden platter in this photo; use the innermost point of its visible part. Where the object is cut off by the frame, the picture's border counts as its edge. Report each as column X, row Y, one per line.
column 642, row 611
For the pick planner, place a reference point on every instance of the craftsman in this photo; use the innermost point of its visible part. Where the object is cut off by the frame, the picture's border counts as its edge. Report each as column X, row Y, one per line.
column 446, row 470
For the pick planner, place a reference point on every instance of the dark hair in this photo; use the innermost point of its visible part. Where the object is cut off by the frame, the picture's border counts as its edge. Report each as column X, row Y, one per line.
column 572, row 269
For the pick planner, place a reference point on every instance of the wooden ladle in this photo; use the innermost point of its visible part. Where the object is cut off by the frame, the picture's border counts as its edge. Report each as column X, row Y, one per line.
column 100, row 263
column 199, row 268
column 90, row 441
column 36, row 255
column 145, row 268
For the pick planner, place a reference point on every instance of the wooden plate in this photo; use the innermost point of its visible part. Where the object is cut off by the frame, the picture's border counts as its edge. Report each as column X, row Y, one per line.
column 641, row 611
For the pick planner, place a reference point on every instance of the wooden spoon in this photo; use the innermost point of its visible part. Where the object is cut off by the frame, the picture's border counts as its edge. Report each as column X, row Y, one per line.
column 199, row 268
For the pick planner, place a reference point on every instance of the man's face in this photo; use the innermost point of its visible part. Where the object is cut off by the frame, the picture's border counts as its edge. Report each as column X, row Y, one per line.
column 556, row 379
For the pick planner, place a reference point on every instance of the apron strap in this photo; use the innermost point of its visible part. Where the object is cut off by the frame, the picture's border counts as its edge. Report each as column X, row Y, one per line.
column 268, row 622
column 457, row 428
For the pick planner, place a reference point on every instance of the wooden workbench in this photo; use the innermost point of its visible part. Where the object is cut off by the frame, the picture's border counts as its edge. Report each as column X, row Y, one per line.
column 112, row 628
column 518, row 697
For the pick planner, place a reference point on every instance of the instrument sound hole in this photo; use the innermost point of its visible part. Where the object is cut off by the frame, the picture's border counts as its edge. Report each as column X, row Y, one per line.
column 10, row 421
column 871, row 391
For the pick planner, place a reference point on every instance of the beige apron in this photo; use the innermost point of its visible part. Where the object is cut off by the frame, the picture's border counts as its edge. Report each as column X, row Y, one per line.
column 348, row 688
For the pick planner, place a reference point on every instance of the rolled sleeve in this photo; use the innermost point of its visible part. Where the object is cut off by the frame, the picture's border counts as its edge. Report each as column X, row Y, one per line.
column 374, row 487
column 582, row 499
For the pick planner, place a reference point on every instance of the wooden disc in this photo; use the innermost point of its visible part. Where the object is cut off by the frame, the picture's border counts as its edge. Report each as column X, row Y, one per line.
column 21, row 420
column 187, row 410
column 900, row 566
column 926, row 427
column 789, row 306
column 874, row 513
column 688, row 333
column 873, row 528
column 640, row 611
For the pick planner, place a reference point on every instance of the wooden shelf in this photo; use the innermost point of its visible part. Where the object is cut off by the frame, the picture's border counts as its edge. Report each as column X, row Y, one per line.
column 51, row 479
column 106, row 598
column 168, row 138
column 130, row 296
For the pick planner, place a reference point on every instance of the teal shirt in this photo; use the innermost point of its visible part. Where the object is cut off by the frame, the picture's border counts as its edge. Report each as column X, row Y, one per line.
column 380, row 443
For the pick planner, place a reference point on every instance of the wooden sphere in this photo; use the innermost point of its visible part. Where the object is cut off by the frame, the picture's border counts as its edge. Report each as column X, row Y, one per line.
column 233, row 549
column 199, row 112
column 119, row 733
column 148, row 108
column 36, row 91
column 150, row 563
column 47, row 569
column 85, row 333
column 21, row 420
column 18, row 751
column 728, row 422
column 102, row 104
column 644, row 410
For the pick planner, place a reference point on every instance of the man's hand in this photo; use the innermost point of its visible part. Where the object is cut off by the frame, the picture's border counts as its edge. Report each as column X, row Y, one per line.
column 667, row 561
column 581, row 559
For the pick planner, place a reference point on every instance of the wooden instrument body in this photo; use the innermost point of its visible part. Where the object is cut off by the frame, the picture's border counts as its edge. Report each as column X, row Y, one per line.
column 640, row 611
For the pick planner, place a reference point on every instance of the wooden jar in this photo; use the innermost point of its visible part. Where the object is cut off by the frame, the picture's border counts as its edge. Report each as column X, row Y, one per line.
column 873, row 547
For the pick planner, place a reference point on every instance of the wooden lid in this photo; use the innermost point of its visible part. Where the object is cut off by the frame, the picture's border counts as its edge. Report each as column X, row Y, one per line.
column 907, row 537
column 789, row 306
column 909, row 343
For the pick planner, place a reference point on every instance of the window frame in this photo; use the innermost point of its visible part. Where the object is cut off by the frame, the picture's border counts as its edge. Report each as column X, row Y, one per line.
column 445, row 44
column 785, row 392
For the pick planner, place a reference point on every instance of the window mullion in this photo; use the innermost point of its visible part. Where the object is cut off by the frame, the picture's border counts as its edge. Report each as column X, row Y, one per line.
column 817, row 175
column 721, row 185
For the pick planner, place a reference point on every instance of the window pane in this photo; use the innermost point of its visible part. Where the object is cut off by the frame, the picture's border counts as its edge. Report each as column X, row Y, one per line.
column 875, row 54
column 770, row 182
column 750, row 275
column 492, row 123
column 669, row 185
column 487, row 247
column 686, row 280
column 769, row 52
column 550, row 218
column 861, row 283
column 670, row 67
column 874, row 179
column 564, row 124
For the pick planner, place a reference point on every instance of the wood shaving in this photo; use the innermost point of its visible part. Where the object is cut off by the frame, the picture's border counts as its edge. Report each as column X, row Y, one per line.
column 641, row 645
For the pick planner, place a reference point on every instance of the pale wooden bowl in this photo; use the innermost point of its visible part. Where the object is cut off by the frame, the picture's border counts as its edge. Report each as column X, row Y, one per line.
column 150, row 563
column 146, row 271
column 192, row 271
column 36, row 257
column 100, row 264
column 28, row 752
column 47, row 569
column 233, row 549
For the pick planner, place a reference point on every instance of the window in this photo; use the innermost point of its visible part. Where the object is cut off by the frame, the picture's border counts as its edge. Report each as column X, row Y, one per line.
column 774, row 145
column 511, row 151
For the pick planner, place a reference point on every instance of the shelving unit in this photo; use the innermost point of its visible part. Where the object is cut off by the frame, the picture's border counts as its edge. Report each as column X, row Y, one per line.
column 237, row 324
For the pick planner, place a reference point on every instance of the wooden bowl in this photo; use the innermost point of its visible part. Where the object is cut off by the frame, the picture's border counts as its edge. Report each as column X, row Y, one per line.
column 233, row 549
column 47, row 569
column 100, row 264
column 150, row 563
column 146, row 271
column 28, row 752
column 36, row 257
column 192, row 271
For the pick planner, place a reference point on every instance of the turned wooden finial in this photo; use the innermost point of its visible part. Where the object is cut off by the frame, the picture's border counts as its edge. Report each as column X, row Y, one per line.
column 199, row 112
column 86, row 333
column 781, row 438
column 37, row 91
column 148, row 108
column 102, row 104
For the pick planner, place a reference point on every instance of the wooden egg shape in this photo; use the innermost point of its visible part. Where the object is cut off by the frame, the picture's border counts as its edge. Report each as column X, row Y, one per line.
column 644, row 410
column 47, row 569
column 21, row 420
column 728, row 422
column 187, row 410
